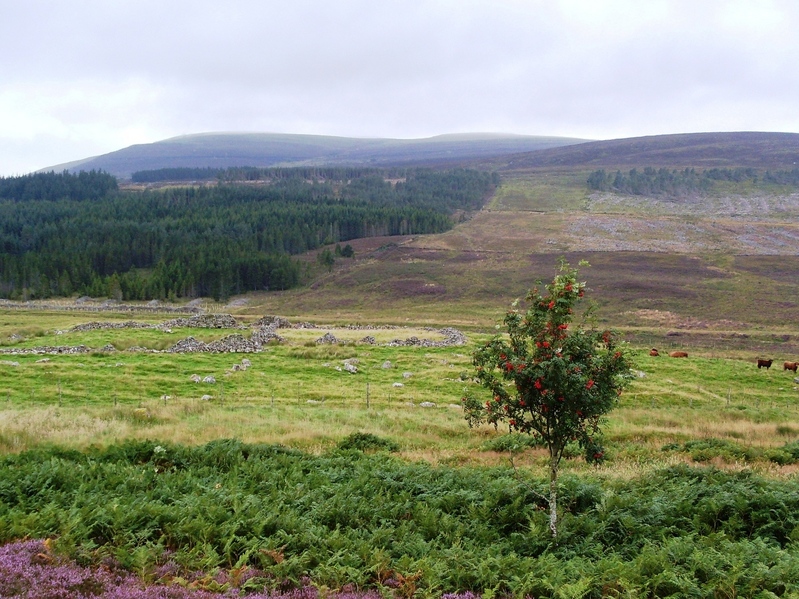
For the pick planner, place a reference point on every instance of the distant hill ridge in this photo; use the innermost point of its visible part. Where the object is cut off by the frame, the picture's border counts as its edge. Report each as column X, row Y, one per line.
column 701, row 150
column 221, row 150
column 504, row 152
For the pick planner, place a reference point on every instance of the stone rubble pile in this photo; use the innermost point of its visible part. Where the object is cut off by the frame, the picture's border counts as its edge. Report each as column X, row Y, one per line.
column 235, row 343
column 264, row 330
column 267, row 321
column 61, row 349
column 327, row 338
column 451, row 337
column 188, row 345
column 264, row 335
column 203, row 321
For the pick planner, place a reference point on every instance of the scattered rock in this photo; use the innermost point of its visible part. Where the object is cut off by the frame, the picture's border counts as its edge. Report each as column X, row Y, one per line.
column 209, row 379
column 368, row 340
column 398, row 385
column 207, row 397
column 9, row 363
column 42, row 360
column 327, row 338
column 407, row 375
column 427, row 404
column 351, row 368
column 387, row 364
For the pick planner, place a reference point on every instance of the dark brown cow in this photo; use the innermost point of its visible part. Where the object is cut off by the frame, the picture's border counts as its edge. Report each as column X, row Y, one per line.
column 653, row 352
column 764, row 363
column 678, row 354
column 790, row 366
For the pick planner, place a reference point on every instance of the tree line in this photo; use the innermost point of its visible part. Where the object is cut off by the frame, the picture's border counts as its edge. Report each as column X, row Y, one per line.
column 206, row 241
column 85, row 185
column 673, row 182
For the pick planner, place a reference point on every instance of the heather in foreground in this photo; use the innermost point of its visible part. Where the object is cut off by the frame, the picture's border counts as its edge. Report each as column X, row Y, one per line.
column 28, row 569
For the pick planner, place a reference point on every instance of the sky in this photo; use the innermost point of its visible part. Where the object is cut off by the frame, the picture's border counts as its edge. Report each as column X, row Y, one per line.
column 87, row 77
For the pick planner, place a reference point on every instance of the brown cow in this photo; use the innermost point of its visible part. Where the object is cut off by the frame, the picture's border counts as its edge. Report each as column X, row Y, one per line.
column 790, row 366
column 764, row 363
column 678, row 354
column 653, row 352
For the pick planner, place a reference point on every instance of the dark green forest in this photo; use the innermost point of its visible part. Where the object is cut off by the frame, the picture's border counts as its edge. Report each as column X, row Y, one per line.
column 689, row 181
column 252, row 173
column 62, row 234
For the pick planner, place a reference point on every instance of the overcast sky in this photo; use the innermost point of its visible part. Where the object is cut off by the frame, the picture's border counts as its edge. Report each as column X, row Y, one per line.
column 86, row 77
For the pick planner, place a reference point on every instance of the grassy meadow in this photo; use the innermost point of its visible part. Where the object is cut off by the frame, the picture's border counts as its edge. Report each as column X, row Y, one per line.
column 298, row 394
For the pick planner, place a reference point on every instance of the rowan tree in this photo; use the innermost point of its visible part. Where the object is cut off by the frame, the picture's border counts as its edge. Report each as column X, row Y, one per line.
column 551, row 379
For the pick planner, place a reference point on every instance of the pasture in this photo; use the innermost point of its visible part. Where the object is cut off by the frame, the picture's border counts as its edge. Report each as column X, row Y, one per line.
column 299, row 394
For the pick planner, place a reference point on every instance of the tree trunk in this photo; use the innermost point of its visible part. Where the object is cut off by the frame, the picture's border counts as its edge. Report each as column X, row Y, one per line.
column 553, row 496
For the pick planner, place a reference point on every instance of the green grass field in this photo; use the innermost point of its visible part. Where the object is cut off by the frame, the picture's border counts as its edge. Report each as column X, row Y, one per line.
column 299, row 394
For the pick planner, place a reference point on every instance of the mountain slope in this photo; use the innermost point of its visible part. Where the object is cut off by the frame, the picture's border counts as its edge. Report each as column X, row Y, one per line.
column 273, row 149
column 702, row 150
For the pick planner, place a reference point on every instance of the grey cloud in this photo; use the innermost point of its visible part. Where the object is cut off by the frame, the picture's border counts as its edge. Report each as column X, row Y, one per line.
column 401, row 68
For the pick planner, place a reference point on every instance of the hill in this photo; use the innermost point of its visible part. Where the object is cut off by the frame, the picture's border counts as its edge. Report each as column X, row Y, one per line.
column 220, row 150
column 699, row 150
column 706, row 266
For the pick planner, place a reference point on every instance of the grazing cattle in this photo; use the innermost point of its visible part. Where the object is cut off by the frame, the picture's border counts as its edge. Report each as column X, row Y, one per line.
column 678, row 354
column 790, row 366
column 653, row 352
column 764, row 363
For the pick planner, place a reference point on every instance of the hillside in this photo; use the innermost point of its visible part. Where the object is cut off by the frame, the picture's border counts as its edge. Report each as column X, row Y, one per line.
column 699, row 150
column 708, row 265
column 702, row 267
column 219, row 150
